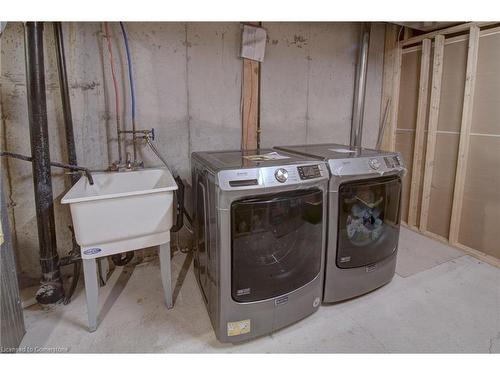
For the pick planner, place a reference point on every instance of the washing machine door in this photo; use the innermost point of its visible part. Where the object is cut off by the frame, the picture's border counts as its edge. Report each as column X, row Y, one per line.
column 368, row 221
column 276, row 243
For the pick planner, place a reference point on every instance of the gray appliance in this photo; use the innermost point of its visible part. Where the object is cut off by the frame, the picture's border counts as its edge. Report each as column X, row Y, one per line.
column 363, row 217
column 260, row 228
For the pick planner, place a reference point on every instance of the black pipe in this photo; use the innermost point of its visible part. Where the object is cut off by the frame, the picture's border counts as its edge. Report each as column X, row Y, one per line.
column 66, row 104
column 52, row 164
column 70, row 140
column 51, row 290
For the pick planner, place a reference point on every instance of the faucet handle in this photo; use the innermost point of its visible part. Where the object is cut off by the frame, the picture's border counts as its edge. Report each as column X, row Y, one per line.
column 152, row 134
column 128, row 161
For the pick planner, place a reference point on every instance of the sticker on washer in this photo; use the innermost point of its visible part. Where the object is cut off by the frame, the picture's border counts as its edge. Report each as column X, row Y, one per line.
column 345, row 259
column 371, row 268
column 238, row 328
column 316, row 302
column 281, row 301
column 92, row 251
column 243, row 292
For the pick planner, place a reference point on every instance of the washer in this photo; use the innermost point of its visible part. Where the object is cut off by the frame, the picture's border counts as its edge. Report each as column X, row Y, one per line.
column 363, row 217
column 260, row 229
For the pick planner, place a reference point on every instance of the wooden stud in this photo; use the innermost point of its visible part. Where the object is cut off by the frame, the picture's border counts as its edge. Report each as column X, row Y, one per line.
column 456, row 39
column 250, row 104
column 450, row 30
column 437, row 74
column 418, row 149
column 407, row 32
column 465, row 129
column 391, row 41
column 396, row 78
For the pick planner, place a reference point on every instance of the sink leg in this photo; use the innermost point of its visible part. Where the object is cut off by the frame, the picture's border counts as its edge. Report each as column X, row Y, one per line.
column 91, row 291
column 166, row 277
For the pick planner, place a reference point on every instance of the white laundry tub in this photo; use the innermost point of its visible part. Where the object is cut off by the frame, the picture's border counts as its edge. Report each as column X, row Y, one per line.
column 122, row 211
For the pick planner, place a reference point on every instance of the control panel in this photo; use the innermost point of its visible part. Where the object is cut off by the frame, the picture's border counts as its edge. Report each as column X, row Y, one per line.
column 307, row 172
column 392, row 161
column 367, row 165
column 254, row 178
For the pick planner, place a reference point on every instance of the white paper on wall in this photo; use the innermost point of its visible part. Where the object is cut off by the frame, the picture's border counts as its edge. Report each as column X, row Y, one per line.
column 253, row 43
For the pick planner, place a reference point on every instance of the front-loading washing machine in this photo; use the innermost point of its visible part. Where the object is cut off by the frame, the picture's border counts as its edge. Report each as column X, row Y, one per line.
column 260, row 228
column 363, row 217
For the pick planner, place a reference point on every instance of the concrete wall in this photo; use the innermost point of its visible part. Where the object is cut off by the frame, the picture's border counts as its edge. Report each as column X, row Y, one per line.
column 188, row 87
column 308, row 83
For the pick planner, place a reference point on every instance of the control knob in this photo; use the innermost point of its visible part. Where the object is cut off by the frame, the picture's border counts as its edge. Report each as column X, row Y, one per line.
column 374, row 164
column 281, row 175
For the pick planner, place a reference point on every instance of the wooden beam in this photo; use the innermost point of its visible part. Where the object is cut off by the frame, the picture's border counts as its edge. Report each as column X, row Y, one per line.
column 250, row 103
column 450, row 30
column 437, row 74
column 407, row 32
column 456, row 39
column 418, row 150
column 394, row 103
column 465, row 129
column 391, row 42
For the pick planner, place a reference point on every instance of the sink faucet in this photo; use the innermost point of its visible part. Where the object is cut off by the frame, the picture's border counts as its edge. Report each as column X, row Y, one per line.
column 128, row 162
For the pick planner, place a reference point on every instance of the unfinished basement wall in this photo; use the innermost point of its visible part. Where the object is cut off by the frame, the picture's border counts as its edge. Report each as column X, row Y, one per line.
column 188, row 87
column 307, row 83
column 481, row 201
column 463, row 168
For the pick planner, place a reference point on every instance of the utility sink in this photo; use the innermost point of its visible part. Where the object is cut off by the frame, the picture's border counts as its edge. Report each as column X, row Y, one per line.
column 122, row 211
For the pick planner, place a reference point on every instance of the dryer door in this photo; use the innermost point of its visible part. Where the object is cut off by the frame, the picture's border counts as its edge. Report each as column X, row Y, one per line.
column 276, row 243
column 368, row 221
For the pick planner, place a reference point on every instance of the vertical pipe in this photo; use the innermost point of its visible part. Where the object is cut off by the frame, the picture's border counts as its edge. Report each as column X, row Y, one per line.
column 51, row 290
column 70, row 139
column 360, row 88
column 66, row 104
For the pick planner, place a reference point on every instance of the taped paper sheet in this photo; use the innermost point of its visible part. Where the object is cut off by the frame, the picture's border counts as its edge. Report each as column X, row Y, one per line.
column 266, row 157
column 342, row 150
column 253, row 43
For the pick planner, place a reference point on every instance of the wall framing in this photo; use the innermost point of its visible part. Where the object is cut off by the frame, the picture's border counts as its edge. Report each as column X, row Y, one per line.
column 418, row 153
column 465, row 130
column 437, row 75
column 250, row 89
column 428, row 113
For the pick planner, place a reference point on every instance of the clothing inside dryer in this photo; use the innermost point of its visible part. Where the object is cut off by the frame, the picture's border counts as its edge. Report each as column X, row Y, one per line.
column 368, row 226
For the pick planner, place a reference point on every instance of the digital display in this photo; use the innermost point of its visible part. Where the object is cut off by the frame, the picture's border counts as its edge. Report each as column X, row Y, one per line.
column 392, row 162
column 309, row 171
column 389, row 162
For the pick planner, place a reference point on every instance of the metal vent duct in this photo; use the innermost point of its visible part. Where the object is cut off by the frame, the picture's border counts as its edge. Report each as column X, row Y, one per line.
column 360, row 88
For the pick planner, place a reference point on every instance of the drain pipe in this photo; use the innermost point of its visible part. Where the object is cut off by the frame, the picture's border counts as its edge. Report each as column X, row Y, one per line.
column 360, row 88
column 70, row 144
column 51, row 290
column 66, row 104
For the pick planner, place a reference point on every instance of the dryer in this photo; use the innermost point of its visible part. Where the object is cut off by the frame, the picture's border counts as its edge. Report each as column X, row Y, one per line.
column 363, row 217
column 260, row 228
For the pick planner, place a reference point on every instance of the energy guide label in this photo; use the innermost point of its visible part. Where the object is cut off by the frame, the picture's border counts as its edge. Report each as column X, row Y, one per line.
column 238, row 328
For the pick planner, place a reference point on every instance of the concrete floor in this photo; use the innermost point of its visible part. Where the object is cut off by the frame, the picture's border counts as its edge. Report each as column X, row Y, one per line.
column 440, row 300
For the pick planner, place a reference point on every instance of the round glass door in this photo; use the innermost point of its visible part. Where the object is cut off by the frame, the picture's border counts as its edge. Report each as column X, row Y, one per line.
column 368, row 221
column 276, row 243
